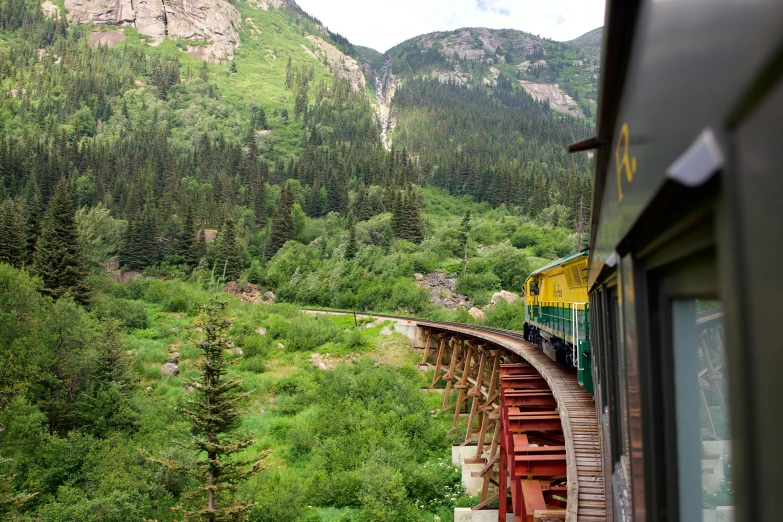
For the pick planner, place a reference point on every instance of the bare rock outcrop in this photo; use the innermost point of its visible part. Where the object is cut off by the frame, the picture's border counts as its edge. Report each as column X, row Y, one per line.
column 558, row 100
column 340, row 64
column 211, row 25
column 443, row 291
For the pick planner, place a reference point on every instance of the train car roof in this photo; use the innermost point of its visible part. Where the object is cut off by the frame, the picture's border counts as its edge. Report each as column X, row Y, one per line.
column 558, row 262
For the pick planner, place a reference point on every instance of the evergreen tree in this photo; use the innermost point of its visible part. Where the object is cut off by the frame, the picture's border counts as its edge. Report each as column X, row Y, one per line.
column 32, row 216
column 464, row 229
column 410, row 216
column 13, row 246
column 57, row 257
column 351, row 248
column 187, row 245
column 397, row 210
column 387, row 239
column 282, row 223
column 201, row 245
column 140, row 248
column 10, row 500
column 214, row 419
column 229, row 256
column 365, row 209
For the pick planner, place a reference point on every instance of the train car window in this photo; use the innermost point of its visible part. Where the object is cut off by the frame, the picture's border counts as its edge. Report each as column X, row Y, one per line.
column 612, row 355
column 702, row 411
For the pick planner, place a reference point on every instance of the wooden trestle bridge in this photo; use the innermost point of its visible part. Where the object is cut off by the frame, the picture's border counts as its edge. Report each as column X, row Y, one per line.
column 534, row 427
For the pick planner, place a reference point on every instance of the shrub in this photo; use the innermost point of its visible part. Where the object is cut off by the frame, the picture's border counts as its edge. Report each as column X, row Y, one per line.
column 305, row 333
column 356, row 340
column 526, row 235
column 474, row 285
column 506, row 315
column 130, row 314
column 254, row 364
column 510, row 265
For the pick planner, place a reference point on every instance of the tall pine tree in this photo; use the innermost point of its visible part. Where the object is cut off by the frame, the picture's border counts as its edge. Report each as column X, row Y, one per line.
column 229, row 256
column 57, row 257
column 282, row 223
column 214, row 418
column 13, row 246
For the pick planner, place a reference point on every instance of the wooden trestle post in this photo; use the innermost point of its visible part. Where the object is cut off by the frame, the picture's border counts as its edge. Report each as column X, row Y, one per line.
column 462, row 385
column 439, row 361
column 456, row 346
column 475, row 393
column 426, row 349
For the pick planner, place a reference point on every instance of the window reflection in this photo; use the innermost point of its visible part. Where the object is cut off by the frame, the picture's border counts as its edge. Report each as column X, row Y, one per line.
column 703, row 436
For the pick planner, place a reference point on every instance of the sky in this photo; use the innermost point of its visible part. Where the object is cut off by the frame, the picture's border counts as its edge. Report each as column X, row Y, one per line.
column 383, row 24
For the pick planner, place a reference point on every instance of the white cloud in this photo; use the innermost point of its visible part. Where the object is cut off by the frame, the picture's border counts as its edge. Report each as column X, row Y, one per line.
column 382, row 25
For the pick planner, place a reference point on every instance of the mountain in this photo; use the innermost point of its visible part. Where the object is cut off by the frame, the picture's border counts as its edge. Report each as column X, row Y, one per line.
column 564, row 73
column 589, row 42
column 214, row 105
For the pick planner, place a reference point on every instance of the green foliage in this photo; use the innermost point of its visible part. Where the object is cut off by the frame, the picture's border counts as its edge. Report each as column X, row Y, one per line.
column 282, row 223
column 129, row 314
column 58, row 257
column 228, row 256
column 306, row 333
column 510, row 265
column 214, row 417
column 476, row 286
column 100, row 235
column 12, row 239
column 506, row 315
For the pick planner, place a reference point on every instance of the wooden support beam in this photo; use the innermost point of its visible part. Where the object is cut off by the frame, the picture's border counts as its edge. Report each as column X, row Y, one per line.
column 462, row 385
column 475, row 393
column 426, row 349
column 439, row 362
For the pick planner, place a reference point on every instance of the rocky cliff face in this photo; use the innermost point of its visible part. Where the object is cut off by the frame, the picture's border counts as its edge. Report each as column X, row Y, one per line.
column 339, row 64
column 211, row 25
column 547, row 70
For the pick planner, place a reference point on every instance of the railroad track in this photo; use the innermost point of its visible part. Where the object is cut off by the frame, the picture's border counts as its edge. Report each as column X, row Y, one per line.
column 529, row 419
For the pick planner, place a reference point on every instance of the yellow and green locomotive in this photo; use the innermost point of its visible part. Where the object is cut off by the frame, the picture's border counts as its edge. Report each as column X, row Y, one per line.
column 557, row 313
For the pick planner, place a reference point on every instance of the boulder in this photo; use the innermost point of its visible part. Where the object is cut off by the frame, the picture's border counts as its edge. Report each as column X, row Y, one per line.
column 418, row 277
column 148, row 389
column 169, row 369
column 280, row 345
column 261, row 331
column 509, row 297
column 174, row 358
column 269, row 297
column 477, row 314
column 232, row 287
column 189, row 389
column 235, row 352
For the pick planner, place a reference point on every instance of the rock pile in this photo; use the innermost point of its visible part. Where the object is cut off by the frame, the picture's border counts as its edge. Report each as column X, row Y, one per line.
column 443, row 290
column 250, row 293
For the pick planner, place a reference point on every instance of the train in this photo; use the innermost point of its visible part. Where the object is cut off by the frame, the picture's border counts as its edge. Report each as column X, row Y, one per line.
column 557, row 313
column 682, row 275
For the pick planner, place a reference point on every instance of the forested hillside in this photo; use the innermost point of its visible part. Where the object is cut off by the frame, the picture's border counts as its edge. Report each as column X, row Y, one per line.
column 141, row 173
